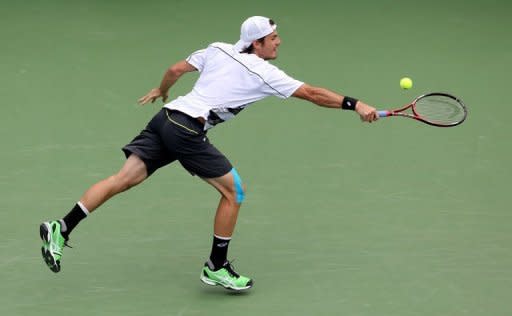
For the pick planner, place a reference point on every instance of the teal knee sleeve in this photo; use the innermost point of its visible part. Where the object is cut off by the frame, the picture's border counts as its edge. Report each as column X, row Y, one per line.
column 240, row 194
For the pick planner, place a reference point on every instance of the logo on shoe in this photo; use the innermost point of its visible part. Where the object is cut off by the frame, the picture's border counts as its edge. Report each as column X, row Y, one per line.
column 227, row 281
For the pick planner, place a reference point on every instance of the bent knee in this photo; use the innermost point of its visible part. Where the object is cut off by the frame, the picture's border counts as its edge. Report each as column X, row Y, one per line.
column 124, row 182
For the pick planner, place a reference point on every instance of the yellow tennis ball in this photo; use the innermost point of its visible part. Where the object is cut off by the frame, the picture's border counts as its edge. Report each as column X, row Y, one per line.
column 405, row 83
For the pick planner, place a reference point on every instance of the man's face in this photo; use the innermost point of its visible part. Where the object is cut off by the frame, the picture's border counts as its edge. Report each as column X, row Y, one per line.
column 268, row 49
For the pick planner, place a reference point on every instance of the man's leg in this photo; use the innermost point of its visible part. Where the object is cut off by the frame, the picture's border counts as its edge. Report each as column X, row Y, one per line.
column 185, row 136
column 232, row 195
column 218, row 270
column 55, row 233
column 132, row 173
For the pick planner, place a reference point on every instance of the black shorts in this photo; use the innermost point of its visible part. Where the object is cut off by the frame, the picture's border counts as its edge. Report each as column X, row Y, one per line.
column 173, row 135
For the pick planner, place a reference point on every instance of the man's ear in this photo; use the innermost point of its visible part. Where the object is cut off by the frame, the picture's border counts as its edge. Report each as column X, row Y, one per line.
column 257, row 44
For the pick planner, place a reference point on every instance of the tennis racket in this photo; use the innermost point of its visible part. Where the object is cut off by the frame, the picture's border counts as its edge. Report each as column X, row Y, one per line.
column 436, row 109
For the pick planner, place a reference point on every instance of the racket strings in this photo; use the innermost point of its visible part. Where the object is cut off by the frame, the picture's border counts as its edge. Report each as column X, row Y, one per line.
column 440, row 109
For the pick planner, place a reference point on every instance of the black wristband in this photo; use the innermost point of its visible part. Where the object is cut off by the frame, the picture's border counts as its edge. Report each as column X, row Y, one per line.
column 348, row 103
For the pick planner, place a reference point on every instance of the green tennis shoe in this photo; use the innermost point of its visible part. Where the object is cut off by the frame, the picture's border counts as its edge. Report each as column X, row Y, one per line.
column 225, row 276
column 53, row 243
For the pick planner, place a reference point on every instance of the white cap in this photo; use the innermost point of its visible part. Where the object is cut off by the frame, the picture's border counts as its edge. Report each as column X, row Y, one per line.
column 252, row 29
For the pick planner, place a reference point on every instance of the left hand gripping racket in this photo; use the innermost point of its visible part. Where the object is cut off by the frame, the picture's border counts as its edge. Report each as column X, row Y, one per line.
column 436, row 109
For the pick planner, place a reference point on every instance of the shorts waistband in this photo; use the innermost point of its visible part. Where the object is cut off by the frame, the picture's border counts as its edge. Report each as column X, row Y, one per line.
column 185, row 121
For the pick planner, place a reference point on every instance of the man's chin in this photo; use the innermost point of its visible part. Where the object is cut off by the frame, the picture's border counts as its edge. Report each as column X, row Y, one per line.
column 271, row 57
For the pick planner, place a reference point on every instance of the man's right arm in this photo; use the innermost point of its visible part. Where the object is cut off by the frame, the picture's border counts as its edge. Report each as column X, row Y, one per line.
column 170, row 77
column 326, row 98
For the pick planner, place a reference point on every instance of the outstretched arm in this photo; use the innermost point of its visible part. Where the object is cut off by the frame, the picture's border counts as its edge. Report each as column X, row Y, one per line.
column 330, row 99
column 170, row 77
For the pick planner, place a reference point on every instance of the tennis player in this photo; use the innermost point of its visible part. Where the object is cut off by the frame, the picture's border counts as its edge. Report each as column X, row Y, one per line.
column 232, row 77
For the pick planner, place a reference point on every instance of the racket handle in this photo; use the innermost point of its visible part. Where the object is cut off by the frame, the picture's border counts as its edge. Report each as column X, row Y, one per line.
column 383, row 113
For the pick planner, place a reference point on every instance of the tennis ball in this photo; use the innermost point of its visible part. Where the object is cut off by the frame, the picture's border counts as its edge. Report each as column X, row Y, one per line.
column 405, row 83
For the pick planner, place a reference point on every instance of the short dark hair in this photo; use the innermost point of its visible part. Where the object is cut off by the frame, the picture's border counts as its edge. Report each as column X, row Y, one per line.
column 250, row 49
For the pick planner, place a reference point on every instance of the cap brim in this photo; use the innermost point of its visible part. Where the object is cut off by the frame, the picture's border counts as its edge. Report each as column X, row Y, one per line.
column 241, row 45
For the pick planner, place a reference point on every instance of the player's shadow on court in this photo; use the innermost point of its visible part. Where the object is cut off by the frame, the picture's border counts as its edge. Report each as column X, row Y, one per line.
column 220, row 291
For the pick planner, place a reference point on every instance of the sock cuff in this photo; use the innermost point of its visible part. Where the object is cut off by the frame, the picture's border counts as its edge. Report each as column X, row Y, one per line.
column 222, row 238
column 63, row 226
column 83, row 208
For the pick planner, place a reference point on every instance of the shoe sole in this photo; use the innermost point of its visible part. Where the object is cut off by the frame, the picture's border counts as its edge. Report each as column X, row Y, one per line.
column 211, row 282
column 44, row 232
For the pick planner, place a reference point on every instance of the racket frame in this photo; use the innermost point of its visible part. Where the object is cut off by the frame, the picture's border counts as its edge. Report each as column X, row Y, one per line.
column 400, row 111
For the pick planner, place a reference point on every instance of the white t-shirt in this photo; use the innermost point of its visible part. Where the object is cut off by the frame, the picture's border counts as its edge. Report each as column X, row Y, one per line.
column 230, row 81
